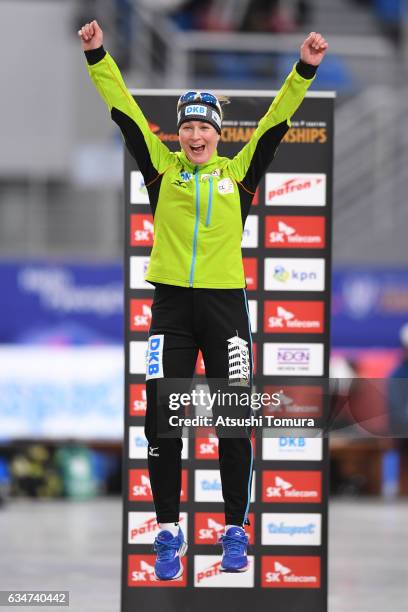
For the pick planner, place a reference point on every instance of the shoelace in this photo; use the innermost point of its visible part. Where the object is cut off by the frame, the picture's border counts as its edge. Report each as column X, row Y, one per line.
column 165, row 550
column 234, row 545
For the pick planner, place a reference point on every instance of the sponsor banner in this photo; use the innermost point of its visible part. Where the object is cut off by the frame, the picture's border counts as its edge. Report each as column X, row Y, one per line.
column 61, row 392
column 141, row 230
column 290, row 572
column 141, row 573
column 208, row 486
column 251, row 273
column 289, row 317
column 292, row 448
column 140, row 488
column 206, row 447
column 291, row 529
column 295, row 232
column 137, row 357
column 138, row 447
column 253, row 315
column 209, row 526
column 143, row 527
column 294, row 274
column 138, row 268
column 300, row 401
column 140, row 315
column 250, row 233
column 61, row 304
column 291, row 487
column 293, row 359
column 137, row 400
column 138, row 191
column 207, row 573
column 300, row 189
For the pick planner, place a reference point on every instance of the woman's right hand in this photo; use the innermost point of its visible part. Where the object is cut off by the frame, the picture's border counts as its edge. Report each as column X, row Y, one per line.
column 91, row 36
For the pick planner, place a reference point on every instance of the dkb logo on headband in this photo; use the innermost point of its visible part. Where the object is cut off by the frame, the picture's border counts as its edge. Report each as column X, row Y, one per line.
column 196, row 109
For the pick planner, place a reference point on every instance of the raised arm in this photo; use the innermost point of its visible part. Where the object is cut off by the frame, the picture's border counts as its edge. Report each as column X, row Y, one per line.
column 152, row 156
column 252, row 161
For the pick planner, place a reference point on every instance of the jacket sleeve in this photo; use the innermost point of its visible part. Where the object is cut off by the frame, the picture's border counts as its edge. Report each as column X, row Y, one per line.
column 252, row 161
column 152, row 156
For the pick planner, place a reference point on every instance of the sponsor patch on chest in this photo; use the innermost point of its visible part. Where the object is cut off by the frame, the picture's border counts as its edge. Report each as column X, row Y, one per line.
column 225, row 186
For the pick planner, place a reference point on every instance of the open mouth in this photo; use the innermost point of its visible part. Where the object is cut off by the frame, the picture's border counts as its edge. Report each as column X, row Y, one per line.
column 197, row 149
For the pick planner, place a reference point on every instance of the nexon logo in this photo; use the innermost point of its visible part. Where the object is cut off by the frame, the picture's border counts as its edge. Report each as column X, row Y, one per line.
column 196, row 109
column 294, row 355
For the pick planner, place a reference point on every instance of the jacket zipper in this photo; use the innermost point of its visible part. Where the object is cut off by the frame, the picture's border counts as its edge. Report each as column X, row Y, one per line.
column 197, row 203
column 210, row 199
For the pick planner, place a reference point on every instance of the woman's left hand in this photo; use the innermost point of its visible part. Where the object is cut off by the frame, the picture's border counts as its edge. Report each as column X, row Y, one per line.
column 313, row 49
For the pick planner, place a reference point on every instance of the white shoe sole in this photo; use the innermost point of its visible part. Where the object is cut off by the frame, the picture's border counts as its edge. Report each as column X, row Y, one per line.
column 182, row 552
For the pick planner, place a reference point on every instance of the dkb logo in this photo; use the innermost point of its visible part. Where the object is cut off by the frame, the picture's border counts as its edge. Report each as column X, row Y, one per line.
column 155, row 357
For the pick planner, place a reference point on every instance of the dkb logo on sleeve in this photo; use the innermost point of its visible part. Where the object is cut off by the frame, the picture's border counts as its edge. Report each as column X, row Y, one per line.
column 154, row 357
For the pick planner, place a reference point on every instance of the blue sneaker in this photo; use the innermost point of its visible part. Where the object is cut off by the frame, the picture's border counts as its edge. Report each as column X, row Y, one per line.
column 234, row 545
column 169, row 550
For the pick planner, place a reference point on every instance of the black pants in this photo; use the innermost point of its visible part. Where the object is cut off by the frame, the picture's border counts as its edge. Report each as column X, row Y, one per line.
column 216, row 321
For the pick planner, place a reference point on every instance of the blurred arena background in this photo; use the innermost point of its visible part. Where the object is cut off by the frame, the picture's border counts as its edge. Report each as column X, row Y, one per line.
column 61, row 237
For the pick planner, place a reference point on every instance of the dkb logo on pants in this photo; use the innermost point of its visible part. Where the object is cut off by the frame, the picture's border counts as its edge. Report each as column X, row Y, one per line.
column 154, row 357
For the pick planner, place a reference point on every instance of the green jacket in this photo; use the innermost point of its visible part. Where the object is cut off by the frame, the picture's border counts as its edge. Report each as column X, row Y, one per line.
column 199, row 212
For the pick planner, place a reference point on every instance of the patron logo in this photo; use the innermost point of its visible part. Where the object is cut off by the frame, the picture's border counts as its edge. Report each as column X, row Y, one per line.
column 206, row 448
column 291, row 487
column 141, row 230
column 141, row 573
column 210, row 526
column 250, row 233
column 291, row 274
column 137, row 357
column 137, row 400
column 290, row 572
column 294, row 529
column 293, row 448
column 301, row 401
column 138, row 191
column 139, row 486
column 295, row 232
column 143, row 527
column 140, row 315
column 138, row 269
column 207, row 574
column 295, row 189
column 251, row 272
column 293, row 359
column 208, row 486
column 294, row 317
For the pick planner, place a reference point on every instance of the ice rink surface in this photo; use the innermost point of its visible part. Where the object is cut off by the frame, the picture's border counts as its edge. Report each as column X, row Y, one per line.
column 75, row 546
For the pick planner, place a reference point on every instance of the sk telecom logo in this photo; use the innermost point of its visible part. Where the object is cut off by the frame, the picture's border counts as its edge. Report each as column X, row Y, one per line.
column 137, row 400
column 141, row 573
column 290, row 317
column 290, row 572
column 291, row 486
column 140, row 488
column 210, row 526
column 296, row 401
column 140, row 315
column 295, row 232
column 206, row 448
column 251, row 273
column 141, row 230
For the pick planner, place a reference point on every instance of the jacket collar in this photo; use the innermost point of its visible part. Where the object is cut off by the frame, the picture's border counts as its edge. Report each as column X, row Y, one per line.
column 186, row 162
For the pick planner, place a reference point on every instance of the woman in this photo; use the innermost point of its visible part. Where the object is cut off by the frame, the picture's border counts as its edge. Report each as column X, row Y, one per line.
column 200, row 202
